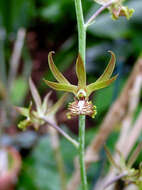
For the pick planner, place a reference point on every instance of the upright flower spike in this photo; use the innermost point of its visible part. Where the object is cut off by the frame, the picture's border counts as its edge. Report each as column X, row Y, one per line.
column 117, row 8
column 81, row 105
column 43, row 109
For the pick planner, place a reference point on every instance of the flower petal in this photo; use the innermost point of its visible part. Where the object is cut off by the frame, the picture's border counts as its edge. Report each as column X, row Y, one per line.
column 57, row 105
column 46, row 102
column 98, row 85
column 35, row 94
column 57, row 74
column 109, row 69
column 80, row 71
column 110, row 158
column 62, row 86
column 134, row 155
column 24, row 124
column 22, row 111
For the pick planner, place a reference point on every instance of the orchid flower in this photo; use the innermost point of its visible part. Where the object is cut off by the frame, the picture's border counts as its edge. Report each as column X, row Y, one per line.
column 42, row 109
column 124, row 169
column 82, row 91
column 117, row 8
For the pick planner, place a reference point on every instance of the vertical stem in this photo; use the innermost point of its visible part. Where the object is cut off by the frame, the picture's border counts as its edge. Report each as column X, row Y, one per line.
column 82, row 51
column 81, row 29
column 81, row 151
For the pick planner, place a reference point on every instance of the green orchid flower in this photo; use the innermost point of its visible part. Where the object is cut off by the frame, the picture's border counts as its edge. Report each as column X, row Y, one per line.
column 124, row 169
column 117, row 8
column 34, row 117
column 81, row 105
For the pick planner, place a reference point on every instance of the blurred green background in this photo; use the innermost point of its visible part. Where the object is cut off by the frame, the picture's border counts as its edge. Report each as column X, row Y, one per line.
column 51, row 25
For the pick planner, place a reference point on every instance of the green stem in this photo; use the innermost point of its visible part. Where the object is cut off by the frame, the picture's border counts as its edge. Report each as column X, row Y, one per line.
column 82, row 51
column 81, row 29
column 81, row 151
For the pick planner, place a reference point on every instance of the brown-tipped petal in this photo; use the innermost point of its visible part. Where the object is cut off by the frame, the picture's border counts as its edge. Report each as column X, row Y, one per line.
column 35, row 94
column 57, row 74
column 109, row 69
column 57, row 105
column 98, row 85
column 62, row 87
column 80, row 71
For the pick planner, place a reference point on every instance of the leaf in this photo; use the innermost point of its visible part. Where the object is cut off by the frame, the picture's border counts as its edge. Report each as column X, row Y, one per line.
column 57, row 74
column 98, row 85
column 57, row 105
column 80, row 71
column 62, row 87
column 109, row 69
column 35, row 94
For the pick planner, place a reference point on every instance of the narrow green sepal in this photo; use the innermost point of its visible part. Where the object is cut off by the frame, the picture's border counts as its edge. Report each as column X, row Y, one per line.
column 80, row 72
column 53, row 109
column 61, row 86
column 56, row 73
column 109, row 69
column 98, row 85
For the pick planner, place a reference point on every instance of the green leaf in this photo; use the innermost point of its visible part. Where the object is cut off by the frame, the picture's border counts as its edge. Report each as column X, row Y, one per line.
column 109, row 69
column 80, row 71
column 62, row 87
column 98, row 85
column 57, row 105
column 35, row 94
column 57, row 74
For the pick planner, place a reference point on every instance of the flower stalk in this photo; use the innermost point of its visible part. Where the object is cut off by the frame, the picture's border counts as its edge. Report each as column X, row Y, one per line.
column 73, row 141
column 82, row 52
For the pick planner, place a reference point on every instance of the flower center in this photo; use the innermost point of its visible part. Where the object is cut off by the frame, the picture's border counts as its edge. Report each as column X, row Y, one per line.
column 81, row 94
